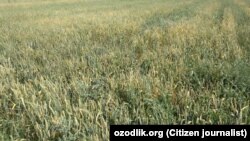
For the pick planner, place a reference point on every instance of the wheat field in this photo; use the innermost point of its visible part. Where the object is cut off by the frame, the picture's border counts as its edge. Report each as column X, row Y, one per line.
column 70, row 68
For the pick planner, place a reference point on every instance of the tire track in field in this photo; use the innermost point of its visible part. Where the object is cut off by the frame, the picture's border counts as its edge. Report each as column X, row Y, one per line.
column 242, row 15
column 228, row 28
column 225, row 41
column 183, row 30
column 187, row 25
column 162, row 19
column 190, row 30
column 236, row 30
column 177, row 26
